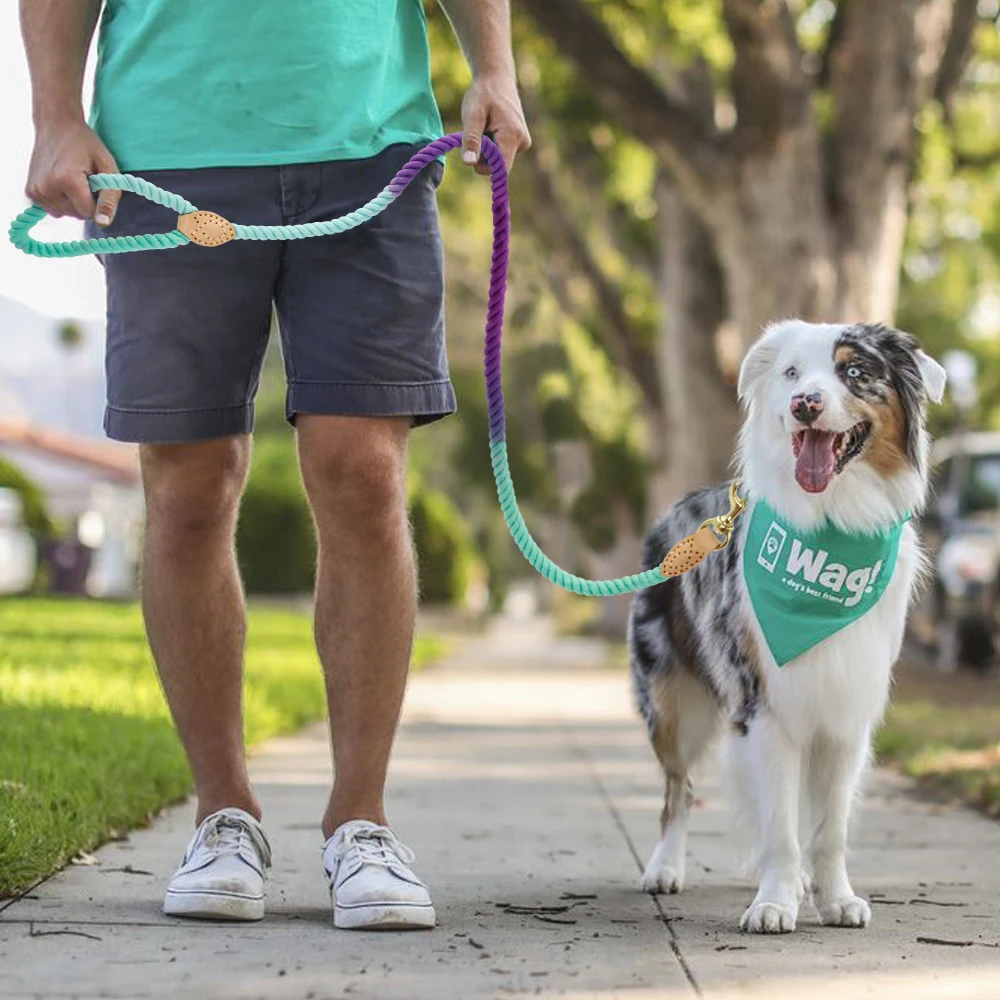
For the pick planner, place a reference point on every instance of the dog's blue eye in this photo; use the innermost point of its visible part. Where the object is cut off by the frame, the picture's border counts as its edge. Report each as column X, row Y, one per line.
column 854, row 372
column 791, row 372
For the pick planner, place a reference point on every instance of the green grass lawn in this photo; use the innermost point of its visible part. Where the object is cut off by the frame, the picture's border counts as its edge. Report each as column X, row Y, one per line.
column 86, row 745
column 944, row 731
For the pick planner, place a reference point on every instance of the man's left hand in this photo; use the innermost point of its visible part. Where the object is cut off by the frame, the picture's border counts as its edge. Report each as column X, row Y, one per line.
column 492, row 104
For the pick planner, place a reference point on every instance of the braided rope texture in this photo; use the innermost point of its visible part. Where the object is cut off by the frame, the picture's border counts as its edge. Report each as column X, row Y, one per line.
column 20, row 228
column 20, row 237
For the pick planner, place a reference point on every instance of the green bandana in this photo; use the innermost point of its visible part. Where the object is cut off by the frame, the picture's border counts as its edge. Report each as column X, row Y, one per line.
column 804, row 586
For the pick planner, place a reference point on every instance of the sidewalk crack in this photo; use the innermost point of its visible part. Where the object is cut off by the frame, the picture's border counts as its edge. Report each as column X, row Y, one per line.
column 602, row 791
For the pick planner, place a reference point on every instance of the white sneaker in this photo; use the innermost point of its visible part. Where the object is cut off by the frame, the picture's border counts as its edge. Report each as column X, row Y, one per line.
column 371, row 884
column 222, row 875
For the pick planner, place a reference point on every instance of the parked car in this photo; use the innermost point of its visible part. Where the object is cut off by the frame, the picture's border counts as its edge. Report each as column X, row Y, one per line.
column 961, row 533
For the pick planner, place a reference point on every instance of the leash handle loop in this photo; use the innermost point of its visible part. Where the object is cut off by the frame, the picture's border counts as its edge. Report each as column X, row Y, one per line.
column 20, row 228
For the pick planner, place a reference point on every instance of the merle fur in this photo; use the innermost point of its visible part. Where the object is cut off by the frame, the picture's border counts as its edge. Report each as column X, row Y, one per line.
column 692, row 622
column 888, row 362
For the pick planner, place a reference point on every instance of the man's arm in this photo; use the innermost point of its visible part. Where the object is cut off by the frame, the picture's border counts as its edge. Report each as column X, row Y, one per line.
column 492, row 103
column 57, row 35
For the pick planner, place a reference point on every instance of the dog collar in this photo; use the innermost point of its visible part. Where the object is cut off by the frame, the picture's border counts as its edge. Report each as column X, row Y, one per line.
column 806, row 586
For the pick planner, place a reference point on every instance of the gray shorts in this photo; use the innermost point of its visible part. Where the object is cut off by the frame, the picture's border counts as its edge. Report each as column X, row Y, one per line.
column 361, row 313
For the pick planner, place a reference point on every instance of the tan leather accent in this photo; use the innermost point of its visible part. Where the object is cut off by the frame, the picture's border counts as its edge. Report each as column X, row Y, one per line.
column 206, row 228
column 690, row 551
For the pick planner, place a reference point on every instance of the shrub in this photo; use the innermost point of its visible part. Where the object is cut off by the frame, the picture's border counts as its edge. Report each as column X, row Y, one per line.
column 35, row 510
column 445, row 552
column 275, row 539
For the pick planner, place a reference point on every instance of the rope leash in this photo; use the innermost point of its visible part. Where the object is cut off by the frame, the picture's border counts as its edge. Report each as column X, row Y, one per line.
column 209, row 229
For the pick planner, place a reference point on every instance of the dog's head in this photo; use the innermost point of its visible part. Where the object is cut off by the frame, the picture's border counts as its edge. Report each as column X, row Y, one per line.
column 835, row 412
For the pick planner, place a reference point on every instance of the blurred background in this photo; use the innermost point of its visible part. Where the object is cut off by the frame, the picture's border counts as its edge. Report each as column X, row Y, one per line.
column 699, row 168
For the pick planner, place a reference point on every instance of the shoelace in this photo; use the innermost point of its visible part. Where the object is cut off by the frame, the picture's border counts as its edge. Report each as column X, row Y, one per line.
column 227, row 835
column 375, row 846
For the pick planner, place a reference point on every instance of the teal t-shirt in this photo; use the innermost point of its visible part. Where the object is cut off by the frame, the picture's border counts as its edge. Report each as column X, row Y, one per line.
column 805, row 586
column 213, row 83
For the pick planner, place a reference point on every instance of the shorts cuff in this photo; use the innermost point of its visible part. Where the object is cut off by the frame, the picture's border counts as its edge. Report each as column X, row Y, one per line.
column 177, row 426
column 425, row 402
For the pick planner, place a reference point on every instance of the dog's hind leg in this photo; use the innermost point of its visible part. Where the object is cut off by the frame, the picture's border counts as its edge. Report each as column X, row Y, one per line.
column 685, row 718
column 834, row 775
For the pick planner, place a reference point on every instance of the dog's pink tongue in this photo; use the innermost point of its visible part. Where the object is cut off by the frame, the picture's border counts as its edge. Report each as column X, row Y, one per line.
column 815, row 462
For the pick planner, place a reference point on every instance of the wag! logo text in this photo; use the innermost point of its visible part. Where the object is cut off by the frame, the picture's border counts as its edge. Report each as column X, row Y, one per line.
column 811, row 570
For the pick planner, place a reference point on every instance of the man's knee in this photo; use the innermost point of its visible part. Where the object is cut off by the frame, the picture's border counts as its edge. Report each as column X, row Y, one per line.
column 195, row 487
column 356, row 469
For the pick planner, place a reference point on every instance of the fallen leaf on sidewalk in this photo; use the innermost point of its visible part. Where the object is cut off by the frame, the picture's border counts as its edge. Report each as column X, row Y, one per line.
column 83, row 858
column 554, row 920
column 127, row 870
column 935, row 902
column 578, row 895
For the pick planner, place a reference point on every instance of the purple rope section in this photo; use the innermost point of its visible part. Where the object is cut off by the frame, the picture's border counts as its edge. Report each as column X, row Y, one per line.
column 498, row 270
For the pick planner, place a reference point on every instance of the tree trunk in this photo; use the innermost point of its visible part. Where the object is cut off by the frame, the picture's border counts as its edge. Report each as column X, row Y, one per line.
column 621, row 560
column 774, row 243
column 700, row 408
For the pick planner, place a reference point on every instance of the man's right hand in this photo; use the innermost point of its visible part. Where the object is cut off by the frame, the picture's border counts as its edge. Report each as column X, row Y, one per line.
column 63, row 158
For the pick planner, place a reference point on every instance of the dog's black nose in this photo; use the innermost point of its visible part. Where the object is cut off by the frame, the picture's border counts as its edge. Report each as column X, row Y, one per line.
column 807, row 406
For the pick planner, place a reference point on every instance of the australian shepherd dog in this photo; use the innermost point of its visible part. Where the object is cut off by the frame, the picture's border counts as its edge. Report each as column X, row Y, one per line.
column 833, row 440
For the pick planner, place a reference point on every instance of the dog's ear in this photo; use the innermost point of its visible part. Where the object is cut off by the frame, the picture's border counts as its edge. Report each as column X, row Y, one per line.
column 756, row 363
column 933, row 376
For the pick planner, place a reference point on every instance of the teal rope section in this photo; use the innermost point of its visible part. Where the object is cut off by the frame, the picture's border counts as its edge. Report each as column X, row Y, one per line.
column 538, row 559
column 126, row 182
column 350, row 221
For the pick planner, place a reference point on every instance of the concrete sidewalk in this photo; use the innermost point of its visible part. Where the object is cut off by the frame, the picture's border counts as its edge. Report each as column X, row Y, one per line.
column 526, row 787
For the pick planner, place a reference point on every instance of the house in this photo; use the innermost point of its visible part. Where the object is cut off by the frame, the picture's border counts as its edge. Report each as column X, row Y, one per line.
column 92, row 488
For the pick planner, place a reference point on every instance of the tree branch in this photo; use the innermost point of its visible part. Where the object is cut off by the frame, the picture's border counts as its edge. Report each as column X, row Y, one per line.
column 833, row 40
column 581, row 160
column 956, row 53
column 617, row 332
column 632, row 97
column 925, row 43
column 770, row 88
column 977, row 161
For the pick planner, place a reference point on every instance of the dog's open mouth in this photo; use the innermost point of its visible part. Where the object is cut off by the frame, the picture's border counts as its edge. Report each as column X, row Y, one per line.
column 820, row 455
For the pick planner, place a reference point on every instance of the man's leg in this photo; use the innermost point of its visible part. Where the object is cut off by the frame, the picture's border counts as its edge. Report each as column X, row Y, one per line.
column 193, row 604
column 354, row 469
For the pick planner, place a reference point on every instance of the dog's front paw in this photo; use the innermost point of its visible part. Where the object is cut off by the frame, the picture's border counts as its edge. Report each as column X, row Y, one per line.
column 662, row 879
column 851, row 911
column 768, row 918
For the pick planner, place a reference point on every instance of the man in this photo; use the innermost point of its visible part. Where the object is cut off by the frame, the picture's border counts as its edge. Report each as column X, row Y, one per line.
column 272, row 113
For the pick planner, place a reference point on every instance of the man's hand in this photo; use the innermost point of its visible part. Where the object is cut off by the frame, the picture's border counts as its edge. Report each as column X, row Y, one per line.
column 492, row 104
column 63, row 159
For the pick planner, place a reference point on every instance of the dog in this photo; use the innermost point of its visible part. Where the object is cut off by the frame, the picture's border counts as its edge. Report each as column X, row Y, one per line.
column 833, row 446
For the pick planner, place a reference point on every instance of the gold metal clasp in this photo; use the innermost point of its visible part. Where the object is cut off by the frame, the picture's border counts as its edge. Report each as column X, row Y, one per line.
column 724, row 524
column 206, row 228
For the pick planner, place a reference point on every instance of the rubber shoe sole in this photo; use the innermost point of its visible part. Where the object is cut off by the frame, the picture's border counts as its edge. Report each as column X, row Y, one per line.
column 384, row 917
column 213, row 906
